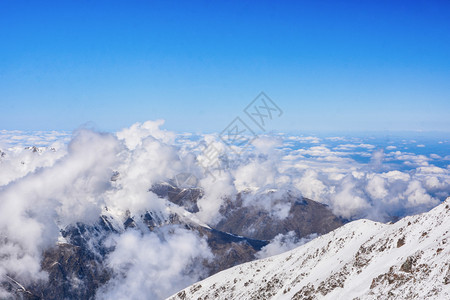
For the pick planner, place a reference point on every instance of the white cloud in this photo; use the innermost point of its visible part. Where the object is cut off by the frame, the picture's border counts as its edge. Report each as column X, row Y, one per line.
column 376, row 187
column 282, row 243
column 396, row 175
column 134, row 135
column 305, row 139
column 67, row 191
column 353, row 146
column 310, row 186
column 416, row 195
column 410, row 158
column 336, row 138
column 349, row 201
column 154, row 267
column 216, row 189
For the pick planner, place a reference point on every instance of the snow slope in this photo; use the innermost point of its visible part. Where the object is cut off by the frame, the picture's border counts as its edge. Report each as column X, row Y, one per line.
column 409, row 259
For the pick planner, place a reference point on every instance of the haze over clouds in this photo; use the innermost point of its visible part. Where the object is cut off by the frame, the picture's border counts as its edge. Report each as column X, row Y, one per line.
column 44, row 189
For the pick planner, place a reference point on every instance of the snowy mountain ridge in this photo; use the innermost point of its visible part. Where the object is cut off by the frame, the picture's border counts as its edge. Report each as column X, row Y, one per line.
column 360, row 260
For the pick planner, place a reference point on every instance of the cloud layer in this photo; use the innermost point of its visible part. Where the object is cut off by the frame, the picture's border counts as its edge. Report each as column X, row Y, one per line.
column 45, row 188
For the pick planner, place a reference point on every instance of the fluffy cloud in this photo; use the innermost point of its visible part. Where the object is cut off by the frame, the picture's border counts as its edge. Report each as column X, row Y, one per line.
column 353, row 146
column 359, row 190
column 55, row 188
column 153, row 266
column 69, row 190
column 18, row 162
column 376, row 190
column 216, row 190
column 282, row 243
column 134, row 135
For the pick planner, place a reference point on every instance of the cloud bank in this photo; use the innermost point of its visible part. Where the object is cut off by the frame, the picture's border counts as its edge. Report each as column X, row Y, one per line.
column 45, row 188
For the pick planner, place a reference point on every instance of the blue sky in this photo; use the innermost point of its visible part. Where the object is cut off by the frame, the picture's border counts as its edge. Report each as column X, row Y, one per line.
column 348, row 66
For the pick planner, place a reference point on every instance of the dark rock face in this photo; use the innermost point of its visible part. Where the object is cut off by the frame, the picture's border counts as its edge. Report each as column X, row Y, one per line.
column 185, row 197
column 305, row 217
column 74, row 273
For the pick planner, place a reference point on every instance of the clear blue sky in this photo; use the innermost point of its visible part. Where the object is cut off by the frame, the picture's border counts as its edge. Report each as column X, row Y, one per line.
column 353, row 65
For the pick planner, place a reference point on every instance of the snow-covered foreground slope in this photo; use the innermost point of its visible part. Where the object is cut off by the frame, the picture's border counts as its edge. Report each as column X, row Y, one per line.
column 361, row 260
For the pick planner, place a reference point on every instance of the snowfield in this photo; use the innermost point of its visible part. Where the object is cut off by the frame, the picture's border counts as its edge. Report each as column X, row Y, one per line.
column 363, row 259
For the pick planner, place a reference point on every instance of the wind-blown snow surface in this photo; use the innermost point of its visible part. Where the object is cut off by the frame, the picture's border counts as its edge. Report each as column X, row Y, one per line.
column 360, row 260
column 68, row 179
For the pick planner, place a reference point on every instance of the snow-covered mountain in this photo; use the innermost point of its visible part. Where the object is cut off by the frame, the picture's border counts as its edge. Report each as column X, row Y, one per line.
column 363, row 259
